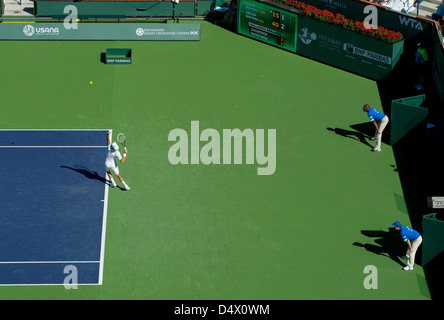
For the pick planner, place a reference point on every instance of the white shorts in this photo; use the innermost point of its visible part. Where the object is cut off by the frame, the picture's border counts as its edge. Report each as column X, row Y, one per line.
column 111, row 166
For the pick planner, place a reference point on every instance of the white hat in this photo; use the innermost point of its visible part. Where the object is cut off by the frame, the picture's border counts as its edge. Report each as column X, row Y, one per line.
column 115, row 146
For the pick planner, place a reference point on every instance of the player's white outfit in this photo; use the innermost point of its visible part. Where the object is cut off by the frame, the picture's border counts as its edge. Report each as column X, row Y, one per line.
column 111, row 163
column 111, row 160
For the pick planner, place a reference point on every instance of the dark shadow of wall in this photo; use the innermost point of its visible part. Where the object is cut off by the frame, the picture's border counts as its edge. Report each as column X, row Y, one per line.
column 418, row 156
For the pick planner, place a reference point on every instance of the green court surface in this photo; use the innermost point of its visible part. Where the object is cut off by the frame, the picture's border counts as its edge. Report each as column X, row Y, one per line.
column 221, row 231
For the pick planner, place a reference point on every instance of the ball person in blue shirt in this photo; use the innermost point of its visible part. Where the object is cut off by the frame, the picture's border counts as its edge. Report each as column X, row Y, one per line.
column 413, row 240
column 380, row 121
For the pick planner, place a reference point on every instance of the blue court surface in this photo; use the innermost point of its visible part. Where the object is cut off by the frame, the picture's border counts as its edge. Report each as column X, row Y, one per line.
column 53, row 199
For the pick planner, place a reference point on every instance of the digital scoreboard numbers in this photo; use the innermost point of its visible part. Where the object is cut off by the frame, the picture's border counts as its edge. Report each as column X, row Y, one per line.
column 267, row 23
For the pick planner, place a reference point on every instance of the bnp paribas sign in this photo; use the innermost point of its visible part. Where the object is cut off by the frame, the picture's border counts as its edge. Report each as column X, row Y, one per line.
column 101, row 31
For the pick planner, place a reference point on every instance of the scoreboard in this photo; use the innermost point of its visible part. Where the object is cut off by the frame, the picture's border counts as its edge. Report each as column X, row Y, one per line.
column 266, row 23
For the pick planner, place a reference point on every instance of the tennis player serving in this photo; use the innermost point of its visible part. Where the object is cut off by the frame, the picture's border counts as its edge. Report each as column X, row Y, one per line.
column 111, row 162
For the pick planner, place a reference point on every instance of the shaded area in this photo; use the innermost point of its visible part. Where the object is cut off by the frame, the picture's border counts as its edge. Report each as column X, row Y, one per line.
column 86, row 172
column 418, row 160
column 92, row 175
column 362, row 132
column 355, row 135
column 386, row 243
column 368, row 129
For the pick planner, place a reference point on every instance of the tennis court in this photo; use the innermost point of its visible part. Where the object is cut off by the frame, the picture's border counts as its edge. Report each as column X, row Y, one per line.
column 220, row 231
column 54, row 206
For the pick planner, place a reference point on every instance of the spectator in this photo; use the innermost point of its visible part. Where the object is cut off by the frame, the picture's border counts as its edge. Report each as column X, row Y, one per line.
column 231, row 12
column 421, row 59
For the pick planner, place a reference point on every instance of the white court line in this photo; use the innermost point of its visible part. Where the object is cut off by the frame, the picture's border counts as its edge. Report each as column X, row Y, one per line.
column 53, row 146
column 102, row 248
column 43, row 284
column 104, row 215
column 48, row 262
column 54, row 129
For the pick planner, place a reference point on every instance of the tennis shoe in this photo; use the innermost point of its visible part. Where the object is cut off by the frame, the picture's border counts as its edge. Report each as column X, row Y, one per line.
column 407, row 268
column 127, row 188
column 376, row 149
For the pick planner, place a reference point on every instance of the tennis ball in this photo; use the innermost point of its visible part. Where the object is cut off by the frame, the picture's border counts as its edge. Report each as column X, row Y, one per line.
column 90, row 82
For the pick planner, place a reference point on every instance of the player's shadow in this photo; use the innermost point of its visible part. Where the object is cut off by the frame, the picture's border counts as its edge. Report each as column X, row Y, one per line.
column 368, row 130
column 93, row 175
column 352, row 134
column 386, row 243
column 362, row 132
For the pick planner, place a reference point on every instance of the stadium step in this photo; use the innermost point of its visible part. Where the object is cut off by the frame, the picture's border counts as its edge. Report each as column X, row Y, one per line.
column 18, row 11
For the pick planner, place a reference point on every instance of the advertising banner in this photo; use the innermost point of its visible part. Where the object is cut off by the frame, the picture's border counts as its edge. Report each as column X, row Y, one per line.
column 342, row 48
column 101, row 31
column 346, row 49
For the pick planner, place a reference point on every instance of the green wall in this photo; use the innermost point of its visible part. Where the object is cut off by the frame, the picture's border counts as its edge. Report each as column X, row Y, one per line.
column 361, row 54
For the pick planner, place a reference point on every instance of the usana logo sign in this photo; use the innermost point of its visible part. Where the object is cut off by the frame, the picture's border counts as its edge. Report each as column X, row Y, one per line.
column 29, row 31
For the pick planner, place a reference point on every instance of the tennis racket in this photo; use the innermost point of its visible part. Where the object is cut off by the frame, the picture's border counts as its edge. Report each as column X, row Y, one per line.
column 121, row 138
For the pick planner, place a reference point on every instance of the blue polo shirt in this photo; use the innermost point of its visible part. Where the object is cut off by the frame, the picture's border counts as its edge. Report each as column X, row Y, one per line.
column 408, row 233
column 374, row 114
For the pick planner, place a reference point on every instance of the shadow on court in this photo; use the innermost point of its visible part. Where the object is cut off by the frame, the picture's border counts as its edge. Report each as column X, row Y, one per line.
column 362, row 132
column 386, row 243
column 368, row 129
column 86, row 172
column 355, row 135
